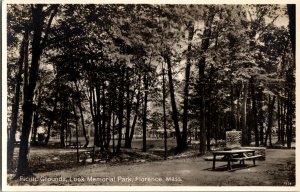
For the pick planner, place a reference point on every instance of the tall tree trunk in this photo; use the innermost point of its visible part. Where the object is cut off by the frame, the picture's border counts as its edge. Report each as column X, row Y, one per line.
column 244, row 115
column 63, row 126
column 208, row 124
column 103, row 101
column 145, row 113
column 98, row 116
column 108, row 136
column 51, row 120
column 232, row 109
column 82, row 118
column 164, row 113
column 113, row 133
column 16, row 103
column 278, row 120
column 93, row 110
column 76, row 129
column 36, row 120
column 289, row 118
column 270, row 119
column 292, row 21
column 260, row 116
column 186, row 86
column 28, row 106
column 121, row 108
column 238, row 108
column 128, row 112
column 282, row 123
column 135, row 116
column 201, row 66
column 173, row 103
column 254, row 112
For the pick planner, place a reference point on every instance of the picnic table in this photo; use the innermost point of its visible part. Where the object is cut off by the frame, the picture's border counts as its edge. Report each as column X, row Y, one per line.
column 234, row 155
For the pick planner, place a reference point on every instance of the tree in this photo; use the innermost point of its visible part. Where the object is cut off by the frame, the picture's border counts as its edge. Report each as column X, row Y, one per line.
column 16, row 102
column 38, row 43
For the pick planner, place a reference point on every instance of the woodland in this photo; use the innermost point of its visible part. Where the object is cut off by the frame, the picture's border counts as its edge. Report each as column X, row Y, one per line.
column 111, row 72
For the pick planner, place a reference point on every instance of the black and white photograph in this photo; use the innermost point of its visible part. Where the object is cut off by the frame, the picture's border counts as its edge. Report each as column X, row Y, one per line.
column 139, row 96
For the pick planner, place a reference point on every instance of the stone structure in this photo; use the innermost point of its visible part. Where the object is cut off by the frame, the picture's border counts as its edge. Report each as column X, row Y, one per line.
column 258, row 151
column 233, row 139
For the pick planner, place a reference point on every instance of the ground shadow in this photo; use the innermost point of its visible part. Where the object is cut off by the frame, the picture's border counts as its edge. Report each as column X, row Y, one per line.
column 234, row 167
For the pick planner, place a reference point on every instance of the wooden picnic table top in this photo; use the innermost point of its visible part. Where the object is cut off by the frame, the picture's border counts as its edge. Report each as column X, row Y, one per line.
column 232, row 151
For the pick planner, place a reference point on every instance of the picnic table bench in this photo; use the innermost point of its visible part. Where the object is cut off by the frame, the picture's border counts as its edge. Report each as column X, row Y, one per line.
column 233, row 156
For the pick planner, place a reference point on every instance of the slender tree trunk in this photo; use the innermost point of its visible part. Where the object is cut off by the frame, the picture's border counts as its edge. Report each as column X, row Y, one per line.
column 145, row 114
column 164, row 113
column 289, row 129
column 270, row 119
column 232, row 109
column 186, row 87
column 135, row 116
column 108, row 136
column 201, row 87
column 128, row 112
column 82, row 118
column 16, row 103
column 173, row 104
column 36, row 121
column 282, row 123
column 98, row 116
column 208, row 124
column 121, row 108
column 260, row 117
column 113, row 133
column 93, row 110
column 51, row 120
column 63, row 126
column 278, row 120
column 244, row 116
column 103, row 101
column 254, row 112
column 238, row 109
column 76, row 129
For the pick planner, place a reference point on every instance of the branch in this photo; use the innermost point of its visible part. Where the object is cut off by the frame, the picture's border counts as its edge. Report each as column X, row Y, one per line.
column 263, row 29
column 55, row 9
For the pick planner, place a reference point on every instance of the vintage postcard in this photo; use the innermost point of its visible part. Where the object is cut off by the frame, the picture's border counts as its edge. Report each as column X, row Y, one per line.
column 149, row 96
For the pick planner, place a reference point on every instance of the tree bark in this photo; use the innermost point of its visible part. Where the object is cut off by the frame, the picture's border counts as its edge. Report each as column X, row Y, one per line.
column 164, row 113
column 128, row 112
column 186, row 87
column 28, row 106
column 254, row 112
column 36, row 120
column 98, row 116
column 135, row 116
column 201, row 88
column 145, row 114
column 76, row 129
column 173, row 103
column 82, row 118
column 51, row 120
column 278, row 120
column 121, row 108
column 16, row 103
column 270, row 119
column 244, row 115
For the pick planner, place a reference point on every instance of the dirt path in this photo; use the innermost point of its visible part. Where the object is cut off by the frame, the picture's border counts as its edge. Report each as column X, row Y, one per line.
column 277, row 170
